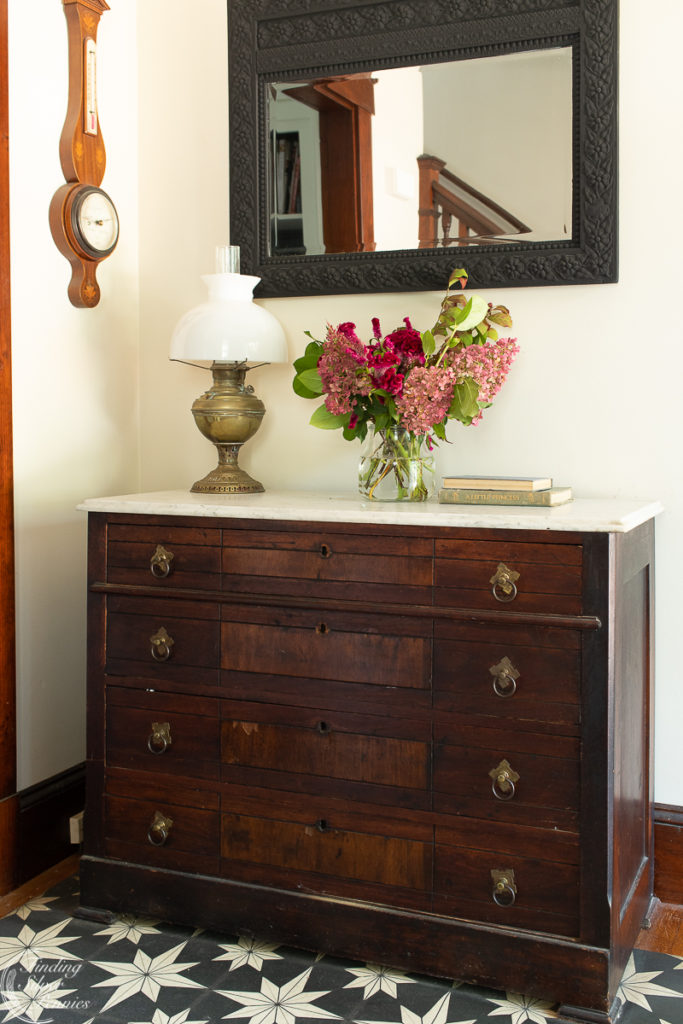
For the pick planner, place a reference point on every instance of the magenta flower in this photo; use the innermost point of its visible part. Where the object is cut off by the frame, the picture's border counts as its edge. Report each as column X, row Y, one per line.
column 407, row 342
column 349, row 331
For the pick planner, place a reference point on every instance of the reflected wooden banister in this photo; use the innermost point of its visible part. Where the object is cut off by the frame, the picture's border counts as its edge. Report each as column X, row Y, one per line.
column 443, row 196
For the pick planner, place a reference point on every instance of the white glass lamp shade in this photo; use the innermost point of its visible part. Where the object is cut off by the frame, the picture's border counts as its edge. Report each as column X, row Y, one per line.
column 229, row 327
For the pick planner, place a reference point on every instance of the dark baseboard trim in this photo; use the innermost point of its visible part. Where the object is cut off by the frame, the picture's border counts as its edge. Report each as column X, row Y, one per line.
column 43, row 813
column 668, row 825
column 8, row 843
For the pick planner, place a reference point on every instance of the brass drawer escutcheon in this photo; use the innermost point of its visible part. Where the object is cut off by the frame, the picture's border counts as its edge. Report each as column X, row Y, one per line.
column 504, row 778
column 325, row 551
column 505, row 677
column 159, row 740
column 504, row 886
column 504, row 582
column 322, row 629
column 159, row 829
column 161, row 644
column 160, row 562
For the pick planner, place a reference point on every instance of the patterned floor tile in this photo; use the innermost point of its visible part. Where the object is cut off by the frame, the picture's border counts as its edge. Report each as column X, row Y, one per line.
column 57, row 967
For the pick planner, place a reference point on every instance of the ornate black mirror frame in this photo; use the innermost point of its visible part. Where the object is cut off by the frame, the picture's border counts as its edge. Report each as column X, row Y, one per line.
column 277, row 40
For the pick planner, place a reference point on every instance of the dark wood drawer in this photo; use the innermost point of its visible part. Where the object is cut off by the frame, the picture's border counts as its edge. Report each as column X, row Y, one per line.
column 163, row 639
column 161, row 732
column 534, row 893
column 491, row 671
column 303, row 749
column 323, row 856
column 354, row 648
column 549, row 576
column 192, row 842
column 325, row 562
column 469, row 763
column 164, row 556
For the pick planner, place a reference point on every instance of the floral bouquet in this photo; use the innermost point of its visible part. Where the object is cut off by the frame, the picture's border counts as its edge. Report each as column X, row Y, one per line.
column 401, row 389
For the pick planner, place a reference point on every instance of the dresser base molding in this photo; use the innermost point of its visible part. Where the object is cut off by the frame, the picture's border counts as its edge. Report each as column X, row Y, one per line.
column 422, row 944
column 576, row 1013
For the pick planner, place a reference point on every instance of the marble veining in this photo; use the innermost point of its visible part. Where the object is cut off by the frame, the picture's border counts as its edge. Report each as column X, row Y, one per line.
column 599, row 515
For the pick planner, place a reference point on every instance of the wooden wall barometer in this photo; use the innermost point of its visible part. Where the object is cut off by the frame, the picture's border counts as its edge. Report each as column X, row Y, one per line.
column 83, row 219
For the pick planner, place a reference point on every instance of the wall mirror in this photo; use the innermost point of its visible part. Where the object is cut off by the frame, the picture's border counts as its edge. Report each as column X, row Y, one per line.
column 376, row 144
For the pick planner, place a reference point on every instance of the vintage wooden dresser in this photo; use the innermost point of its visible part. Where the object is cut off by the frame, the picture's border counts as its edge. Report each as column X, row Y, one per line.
column 416, row 735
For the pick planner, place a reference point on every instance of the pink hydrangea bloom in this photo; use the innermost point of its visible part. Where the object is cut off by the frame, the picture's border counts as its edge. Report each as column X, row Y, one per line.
column 488, row 365
column 426, row 398
column 343, row 370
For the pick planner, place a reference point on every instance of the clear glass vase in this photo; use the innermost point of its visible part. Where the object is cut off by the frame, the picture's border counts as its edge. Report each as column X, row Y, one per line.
column 395, row 465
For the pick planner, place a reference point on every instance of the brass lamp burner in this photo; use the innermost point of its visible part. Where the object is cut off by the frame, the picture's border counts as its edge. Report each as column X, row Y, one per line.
column 228, row 414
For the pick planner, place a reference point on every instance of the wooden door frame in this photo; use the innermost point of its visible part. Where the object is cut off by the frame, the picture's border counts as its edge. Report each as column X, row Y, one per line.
column 8, row 745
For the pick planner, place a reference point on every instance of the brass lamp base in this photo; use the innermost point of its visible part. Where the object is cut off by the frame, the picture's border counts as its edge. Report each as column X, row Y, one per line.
column 227, row 477
column 228, row 414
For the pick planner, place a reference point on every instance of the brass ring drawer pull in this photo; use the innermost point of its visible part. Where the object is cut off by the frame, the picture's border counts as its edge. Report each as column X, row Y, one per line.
column 159, row 829
column 504, row 887
column 160, row 562
column 160, row 645
column 159, row 740
column 505, row 677
column 504, row 583
column 504, row 778
column 325, row 551
column 321, row 825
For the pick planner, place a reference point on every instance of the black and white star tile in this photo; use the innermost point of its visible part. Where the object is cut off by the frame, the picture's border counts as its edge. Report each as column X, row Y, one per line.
column 55, row 967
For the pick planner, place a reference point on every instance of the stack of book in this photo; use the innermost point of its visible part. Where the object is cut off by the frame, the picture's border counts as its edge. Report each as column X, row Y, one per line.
column 502, row 490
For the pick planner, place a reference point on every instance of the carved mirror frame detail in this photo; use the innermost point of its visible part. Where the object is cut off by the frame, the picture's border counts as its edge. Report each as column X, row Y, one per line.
column 277, row 40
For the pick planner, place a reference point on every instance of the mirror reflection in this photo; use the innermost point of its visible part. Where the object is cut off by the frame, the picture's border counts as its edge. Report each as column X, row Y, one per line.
column 450, row 154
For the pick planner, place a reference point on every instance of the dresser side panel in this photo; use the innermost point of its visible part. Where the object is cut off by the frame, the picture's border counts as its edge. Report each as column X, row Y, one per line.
column 633, row 751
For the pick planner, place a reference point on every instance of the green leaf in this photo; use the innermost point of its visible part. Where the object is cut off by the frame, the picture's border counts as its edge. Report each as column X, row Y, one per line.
column 475, row 311
column 464, row 339
column 326, row 420
column 464, row 406
column 311, row 380
column 440, row 430
column 492, row 334
column 500, row 315
column 460, row 315
column 303, row 392
column 428, row 343
column 458, row 275
column 310, row 357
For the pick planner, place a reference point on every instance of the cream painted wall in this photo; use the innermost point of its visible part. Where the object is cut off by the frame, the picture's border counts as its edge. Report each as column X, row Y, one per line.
column 586, row 401
column 520, row 104
column 75, row 371
column 593, row 399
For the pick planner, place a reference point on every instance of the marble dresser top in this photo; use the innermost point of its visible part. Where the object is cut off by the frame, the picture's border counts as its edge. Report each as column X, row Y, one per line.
column 600, row 515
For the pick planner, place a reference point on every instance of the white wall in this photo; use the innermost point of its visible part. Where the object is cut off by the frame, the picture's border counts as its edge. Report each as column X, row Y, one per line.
column 587, row 402
column 74, row 371
column 512, row 138
column 395, row 177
